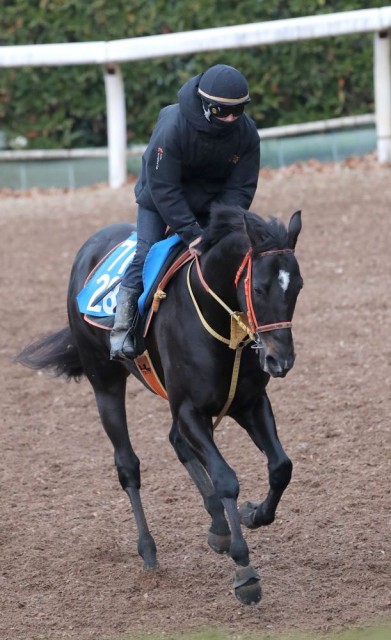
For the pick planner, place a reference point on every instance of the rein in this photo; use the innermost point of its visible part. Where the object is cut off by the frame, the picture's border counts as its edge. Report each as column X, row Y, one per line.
column 236, row 316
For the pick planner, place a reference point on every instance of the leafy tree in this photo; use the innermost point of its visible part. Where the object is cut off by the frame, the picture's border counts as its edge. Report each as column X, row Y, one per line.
column 65, row 106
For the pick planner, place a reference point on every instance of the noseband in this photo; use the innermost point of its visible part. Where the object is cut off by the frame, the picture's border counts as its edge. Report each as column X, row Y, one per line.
column 248, row 262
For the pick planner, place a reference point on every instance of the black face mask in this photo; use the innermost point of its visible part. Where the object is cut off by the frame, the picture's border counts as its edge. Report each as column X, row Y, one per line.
column 223, row 126
column 217, row 126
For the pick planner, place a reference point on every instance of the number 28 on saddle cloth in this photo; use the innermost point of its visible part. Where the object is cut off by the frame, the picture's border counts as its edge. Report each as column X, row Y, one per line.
column 98, row 298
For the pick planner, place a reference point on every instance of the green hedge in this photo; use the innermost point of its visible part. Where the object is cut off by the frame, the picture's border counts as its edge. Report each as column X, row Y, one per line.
column 65, row 106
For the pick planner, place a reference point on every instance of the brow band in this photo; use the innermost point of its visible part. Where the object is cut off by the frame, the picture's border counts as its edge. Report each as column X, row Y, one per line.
column 273, row 252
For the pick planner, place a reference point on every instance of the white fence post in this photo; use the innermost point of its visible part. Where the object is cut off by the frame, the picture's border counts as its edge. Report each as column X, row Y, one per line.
column 382, row 79
column 116, row 125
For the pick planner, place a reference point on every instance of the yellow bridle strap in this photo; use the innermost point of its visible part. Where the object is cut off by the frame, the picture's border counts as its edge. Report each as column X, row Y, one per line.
column 239, row 330
column 201, row 317
column 237, row 316
column 232, row 389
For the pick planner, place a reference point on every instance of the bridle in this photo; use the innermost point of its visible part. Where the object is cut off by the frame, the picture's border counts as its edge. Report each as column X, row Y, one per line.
column 253, row 327
column 250, row 331
column 248, row 262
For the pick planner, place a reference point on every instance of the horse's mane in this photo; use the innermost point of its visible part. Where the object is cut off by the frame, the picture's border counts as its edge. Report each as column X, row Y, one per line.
column 251, row 228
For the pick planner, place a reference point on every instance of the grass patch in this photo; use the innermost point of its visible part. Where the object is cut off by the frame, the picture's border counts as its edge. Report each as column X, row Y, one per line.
column 379, row 632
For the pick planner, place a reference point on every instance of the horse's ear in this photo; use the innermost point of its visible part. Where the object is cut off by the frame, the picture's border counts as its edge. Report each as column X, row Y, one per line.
column 294, row 228
column 250, row 231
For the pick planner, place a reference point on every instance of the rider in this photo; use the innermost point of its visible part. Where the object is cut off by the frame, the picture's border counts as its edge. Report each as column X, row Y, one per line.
column 203, row 150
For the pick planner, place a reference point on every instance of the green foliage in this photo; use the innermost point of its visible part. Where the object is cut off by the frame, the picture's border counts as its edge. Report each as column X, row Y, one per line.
column 289, row 83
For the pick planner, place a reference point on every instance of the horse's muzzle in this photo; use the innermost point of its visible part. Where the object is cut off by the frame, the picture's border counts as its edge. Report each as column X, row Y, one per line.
column 277, row 367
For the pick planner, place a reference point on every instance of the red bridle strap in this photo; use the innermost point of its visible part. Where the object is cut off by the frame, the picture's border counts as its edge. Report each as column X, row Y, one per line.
column 248, row 261
column 272, row 327
column 242, row 267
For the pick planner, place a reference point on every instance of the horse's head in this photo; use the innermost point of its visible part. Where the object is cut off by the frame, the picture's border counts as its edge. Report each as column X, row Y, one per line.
column 267, row 280
column 268, row 286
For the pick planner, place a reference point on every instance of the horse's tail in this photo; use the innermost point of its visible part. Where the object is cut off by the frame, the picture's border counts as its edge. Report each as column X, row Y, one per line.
column 56, row 353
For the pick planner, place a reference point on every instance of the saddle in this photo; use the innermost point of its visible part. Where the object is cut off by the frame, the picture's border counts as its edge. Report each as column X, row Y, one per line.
column 97, row 299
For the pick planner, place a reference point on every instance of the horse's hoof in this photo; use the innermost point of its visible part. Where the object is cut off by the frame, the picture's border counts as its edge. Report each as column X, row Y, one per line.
column 151, row 565
column 247, row 513
column 219, row 544
column 247, row 585
column 150, row 560
column 147, row 550
column 249, row 593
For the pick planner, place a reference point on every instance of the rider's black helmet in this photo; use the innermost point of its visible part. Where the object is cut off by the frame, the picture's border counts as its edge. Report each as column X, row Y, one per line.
column 223, row 90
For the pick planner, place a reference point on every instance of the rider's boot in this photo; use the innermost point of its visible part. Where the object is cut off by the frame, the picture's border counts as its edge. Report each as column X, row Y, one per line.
column 122, row 340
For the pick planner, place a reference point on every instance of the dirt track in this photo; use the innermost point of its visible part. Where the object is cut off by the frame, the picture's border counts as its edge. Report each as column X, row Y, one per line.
column 69, row 565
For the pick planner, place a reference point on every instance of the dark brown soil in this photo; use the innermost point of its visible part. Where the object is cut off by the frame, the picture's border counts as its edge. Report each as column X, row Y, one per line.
column 69, row 565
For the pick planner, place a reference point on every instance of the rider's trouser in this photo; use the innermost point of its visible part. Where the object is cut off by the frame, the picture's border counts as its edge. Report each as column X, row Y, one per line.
column 150, row 229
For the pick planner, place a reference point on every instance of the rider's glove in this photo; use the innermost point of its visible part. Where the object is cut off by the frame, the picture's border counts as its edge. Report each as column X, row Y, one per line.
column 194, row 246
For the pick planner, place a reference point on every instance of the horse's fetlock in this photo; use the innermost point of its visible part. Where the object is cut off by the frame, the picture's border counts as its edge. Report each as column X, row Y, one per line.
column 128, row 473
column 239, row 552
column 280, row 476
column 263, row 516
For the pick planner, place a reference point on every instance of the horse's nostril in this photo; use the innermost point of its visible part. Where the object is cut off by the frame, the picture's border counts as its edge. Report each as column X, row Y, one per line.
column 275, row 366
column 272, row 364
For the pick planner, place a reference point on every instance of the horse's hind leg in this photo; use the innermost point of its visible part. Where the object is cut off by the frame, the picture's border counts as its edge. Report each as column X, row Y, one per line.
column 109, row 392
column 219, row 536
column 258, row 420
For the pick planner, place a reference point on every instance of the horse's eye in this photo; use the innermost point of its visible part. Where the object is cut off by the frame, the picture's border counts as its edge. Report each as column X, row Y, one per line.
column 259, row 291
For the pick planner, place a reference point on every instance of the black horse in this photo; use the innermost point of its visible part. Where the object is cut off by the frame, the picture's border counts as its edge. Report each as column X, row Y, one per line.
column 211, row 359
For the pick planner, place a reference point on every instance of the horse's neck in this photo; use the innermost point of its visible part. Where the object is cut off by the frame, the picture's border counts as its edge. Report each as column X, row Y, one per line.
column 219, row 270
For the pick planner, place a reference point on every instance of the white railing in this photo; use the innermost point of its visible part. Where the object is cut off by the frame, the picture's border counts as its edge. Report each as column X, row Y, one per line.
column 111, row 54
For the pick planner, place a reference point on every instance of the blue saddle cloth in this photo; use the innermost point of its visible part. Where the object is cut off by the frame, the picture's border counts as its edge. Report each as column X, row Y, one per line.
column 98, row 298
column 156, row 257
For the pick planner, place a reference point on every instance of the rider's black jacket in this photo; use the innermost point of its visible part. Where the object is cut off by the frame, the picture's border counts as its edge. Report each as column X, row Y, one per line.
column 191, row 162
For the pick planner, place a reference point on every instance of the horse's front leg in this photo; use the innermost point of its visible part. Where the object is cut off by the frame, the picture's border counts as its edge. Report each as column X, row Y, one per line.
column 197, row 430
column 219, row 535
column 258, row 420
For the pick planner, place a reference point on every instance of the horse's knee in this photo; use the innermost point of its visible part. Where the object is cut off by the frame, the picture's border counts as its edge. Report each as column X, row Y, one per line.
column 226, row 484
column 128, row 469
column 280, row 475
